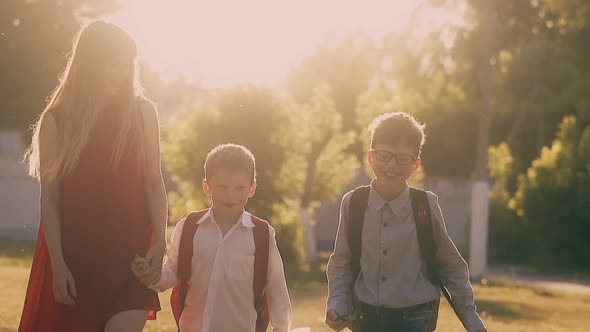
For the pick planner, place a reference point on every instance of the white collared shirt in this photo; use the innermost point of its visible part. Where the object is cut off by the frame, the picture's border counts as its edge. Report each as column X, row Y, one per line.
column 220, row 297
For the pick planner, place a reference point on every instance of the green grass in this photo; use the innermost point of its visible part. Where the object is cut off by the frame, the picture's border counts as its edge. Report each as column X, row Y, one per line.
column 504, row 307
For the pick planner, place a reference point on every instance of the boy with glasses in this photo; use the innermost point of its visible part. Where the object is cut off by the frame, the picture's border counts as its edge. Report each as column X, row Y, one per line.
column 393, row 255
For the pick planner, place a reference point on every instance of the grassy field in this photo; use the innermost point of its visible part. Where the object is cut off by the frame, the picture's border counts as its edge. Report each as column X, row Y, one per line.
column 504, row 307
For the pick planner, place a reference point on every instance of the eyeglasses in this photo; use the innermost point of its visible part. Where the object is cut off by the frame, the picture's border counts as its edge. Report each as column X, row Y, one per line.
column 386, row 156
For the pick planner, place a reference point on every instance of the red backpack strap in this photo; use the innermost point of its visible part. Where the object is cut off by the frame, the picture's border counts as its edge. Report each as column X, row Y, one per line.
column 185, row 251
column 261, row 244
column 185, row 256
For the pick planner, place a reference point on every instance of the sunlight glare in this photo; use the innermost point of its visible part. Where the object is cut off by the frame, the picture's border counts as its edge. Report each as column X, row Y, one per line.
column 219, row 43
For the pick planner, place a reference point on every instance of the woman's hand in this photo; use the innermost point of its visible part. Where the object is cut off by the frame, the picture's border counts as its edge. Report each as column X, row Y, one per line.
column 154, row 258
column 64, row 287
column 142, row 271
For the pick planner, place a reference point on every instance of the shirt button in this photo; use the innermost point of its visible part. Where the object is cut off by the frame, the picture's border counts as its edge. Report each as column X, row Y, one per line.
column 383, row 278
column 384, row 252
column 384, row 224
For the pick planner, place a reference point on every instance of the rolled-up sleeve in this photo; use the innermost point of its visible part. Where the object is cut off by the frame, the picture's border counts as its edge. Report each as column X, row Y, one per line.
column 453, row 270
column 339, row 272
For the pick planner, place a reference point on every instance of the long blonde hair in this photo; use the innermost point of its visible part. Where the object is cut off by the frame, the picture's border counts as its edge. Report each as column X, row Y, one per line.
column 75, row 99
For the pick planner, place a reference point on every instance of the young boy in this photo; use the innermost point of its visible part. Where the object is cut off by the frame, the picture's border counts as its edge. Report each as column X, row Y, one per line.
column 386, row 283
column 220, row 294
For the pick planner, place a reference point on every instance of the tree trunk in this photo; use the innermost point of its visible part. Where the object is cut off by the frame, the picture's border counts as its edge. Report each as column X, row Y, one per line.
column 308, row 225
column 305, row 213
column 480, row 191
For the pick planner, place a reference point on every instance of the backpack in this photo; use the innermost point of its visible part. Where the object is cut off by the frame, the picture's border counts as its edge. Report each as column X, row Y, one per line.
column 424, row 228
column 185, row 254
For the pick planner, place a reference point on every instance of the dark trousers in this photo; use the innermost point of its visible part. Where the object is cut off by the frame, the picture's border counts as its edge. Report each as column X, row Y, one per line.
column 416, row 318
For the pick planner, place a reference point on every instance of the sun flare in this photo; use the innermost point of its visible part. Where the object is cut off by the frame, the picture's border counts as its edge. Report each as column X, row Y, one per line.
column 219, row 43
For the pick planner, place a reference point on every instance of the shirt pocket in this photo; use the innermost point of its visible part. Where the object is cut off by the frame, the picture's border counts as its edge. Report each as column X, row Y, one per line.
column 241, row 266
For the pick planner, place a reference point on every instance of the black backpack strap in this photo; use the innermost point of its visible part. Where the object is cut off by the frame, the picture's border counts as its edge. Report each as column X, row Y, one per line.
column 425, row 231
column 356, row 218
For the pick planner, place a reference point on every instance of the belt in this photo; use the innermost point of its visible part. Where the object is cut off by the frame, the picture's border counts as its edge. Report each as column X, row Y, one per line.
column 368, row 309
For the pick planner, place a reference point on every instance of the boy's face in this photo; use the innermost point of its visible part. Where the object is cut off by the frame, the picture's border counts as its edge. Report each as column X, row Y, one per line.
column 393, row 164
column 229, row 189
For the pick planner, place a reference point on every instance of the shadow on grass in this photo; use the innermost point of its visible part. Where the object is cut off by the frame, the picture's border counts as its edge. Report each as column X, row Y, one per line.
column 518, row 285
column 16, row 249
column 509, row 311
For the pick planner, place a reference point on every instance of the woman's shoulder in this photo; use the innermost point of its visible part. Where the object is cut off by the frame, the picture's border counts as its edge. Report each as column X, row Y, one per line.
column 145, row 105
column 49, row 127
column 148, row 116
column 147, row 109
column 55, row 113
column 53, row 118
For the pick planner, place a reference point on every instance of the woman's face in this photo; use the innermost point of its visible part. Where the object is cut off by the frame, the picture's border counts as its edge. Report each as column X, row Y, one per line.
column 114, row 75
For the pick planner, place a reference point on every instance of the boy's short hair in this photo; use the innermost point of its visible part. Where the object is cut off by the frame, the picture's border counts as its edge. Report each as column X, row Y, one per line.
column 232, row 156
column 398, row 127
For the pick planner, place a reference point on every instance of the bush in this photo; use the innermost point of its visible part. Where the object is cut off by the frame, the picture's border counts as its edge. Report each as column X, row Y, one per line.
column 247, row 115
column 553, row 197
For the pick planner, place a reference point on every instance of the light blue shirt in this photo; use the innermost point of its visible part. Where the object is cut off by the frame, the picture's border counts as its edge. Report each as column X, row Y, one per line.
column 393, row 273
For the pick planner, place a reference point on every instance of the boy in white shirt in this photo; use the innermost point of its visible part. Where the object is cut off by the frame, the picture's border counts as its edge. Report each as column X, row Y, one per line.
column 218, row 290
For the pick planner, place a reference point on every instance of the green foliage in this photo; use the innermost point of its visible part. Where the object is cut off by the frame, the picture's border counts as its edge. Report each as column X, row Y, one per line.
column 347, row 66
column 553, row 196
column 288, row 231
column 502, row 171
column 506, row 230
column 509, row 237
column 247, row 115
column 300, row 152
column 36, row 36
column 319, row 159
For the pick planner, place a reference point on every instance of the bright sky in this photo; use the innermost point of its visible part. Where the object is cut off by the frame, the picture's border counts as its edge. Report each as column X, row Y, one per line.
column 222, row 42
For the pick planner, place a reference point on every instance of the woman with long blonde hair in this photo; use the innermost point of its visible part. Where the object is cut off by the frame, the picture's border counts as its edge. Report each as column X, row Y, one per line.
column 95, row 152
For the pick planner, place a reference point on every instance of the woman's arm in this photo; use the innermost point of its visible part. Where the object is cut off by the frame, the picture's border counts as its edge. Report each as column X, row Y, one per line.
column 51, row 193
column 154, row 186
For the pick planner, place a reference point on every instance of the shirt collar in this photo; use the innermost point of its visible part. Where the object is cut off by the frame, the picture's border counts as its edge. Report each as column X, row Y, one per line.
column 245, row 218
column 377, row 202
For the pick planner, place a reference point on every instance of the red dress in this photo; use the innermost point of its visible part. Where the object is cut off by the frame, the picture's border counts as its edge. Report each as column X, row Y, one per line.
column 105, row 222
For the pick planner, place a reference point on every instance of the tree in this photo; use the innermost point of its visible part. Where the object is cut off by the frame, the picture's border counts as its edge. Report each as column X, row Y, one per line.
column 319, row 155
column 553, row 197
column 248, row 115
column 507, row 231
column 36, row 36
column 347, row 66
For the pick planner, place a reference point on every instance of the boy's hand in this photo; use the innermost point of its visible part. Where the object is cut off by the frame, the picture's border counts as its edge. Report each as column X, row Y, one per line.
column 142, row 271
column 335, row 321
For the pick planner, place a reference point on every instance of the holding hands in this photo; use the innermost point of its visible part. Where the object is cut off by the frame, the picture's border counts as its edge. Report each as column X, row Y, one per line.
column 149, row 268
column 144, row 272
column 337, row 322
